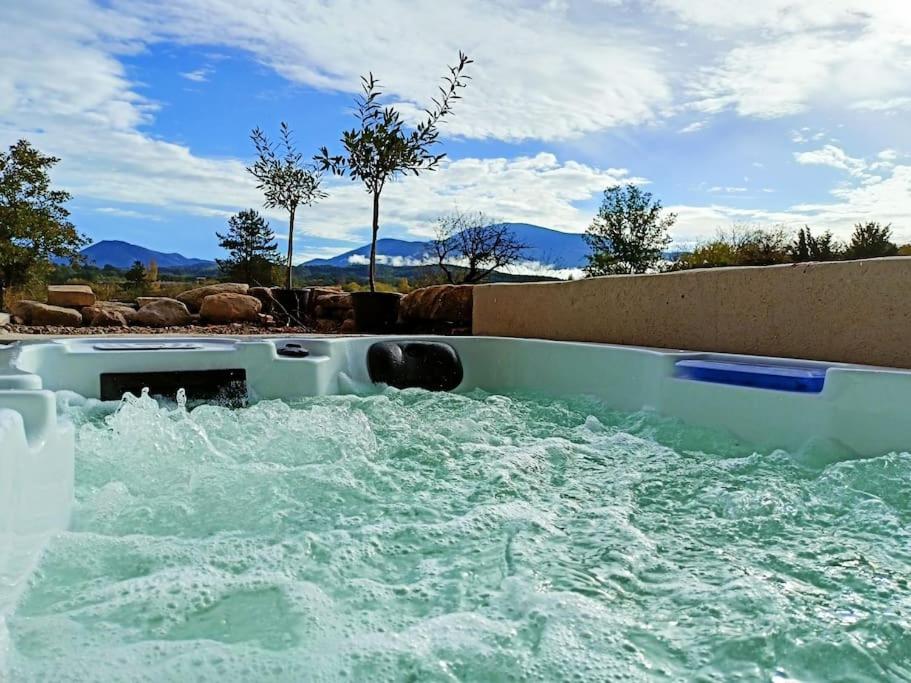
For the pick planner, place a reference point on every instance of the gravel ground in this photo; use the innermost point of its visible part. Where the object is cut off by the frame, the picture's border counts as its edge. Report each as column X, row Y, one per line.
column 184, row 330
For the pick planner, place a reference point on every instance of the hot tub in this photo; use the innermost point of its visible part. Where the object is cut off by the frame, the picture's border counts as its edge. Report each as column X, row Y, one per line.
column 550, row 419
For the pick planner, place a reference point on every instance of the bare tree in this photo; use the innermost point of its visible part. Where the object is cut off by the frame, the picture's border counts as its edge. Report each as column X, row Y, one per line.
column 472, row 239
column 286, row 181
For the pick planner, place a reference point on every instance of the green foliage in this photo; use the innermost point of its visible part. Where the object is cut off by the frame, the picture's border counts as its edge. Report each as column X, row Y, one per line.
column 809, row 247
column 740, row 246
column 136, row 275
column 354, row 286
column 34, row 223
column 871, row 240
column 760, row 247
column 379, row 149
column 629, row 234
column 753, row 246
column 252, row 253
column 286, row 181
column 714, row 254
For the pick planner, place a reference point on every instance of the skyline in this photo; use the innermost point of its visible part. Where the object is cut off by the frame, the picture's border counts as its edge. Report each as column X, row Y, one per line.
column 789, row 112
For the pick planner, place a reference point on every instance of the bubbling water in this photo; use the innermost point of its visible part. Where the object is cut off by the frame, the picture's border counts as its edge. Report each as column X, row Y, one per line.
column 419, row 536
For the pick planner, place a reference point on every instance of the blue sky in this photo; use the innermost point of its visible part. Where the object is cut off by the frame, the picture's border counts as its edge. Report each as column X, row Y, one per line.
column 780, row 111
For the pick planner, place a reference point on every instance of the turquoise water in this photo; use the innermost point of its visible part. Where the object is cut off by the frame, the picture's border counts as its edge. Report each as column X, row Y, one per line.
column 434, row 537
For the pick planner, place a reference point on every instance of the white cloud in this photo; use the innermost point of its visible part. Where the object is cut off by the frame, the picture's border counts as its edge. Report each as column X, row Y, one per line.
column 789, row 55
column 693, row 127
column 833, row 156
column 127, row 213
column 728, row 190
column 537, row 74
column 885, row 199
column 197, row 75
column 775, row 15
column 893, row 104
column 547, row 73
column 521, row 268
column 537, row 189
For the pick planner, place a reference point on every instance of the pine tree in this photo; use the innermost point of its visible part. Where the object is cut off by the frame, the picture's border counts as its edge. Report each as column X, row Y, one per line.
column 871, row 240
column 800, row 249
column 252, row 253
column 136, row 275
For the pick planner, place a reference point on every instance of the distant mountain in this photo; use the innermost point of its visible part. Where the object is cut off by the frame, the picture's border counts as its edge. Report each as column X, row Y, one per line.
column 123, row 255
column 332, row 275
column 408, row 253
column 545, row 246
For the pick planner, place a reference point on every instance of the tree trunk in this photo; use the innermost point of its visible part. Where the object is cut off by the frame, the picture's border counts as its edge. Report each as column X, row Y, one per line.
column 376, row 229
column 290, row 248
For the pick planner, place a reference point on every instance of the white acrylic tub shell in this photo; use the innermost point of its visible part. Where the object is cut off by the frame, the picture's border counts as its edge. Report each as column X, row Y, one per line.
column 861, row 411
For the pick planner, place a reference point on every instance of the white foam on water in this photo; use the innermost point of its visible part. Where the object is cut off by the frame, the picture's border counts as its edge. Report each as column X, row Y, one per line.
column 410, row 535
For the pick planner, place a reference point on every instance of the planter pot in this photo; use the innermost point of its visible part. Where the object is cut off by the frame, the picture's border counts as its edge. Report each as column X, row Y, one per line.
column 290, row 305
column 375, row 312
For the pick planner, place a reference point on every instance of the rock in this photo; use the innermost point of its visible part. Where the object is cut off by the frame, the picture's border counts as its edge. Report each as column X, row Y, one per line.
column 162, row 313
column 348, row 326
column 326, row 326
column 89, row 312
column 70, row 296
column 264, row 294
column 45, row 314
column 143, row 300
column 449, row 303
column 227, row 307
column 22, row 309
column 193, row 298
column 265, row 320
column 109, row 317
column 332, row 313
column 5, row 319
column 334, row 301
column 316, row 292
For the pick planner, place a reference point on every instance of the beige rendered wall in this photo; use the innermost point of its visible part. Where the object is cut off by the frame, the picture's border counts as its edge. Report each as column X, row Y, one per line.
column 852, row 311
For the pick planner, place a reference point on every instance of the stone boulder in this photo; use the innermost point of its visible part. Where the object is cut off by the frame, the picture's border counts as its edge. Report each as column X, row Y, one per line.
column 143, row 300
column 22, row 309
column 162, row 313
column 317, row 292
column 227, row 307
column 264, row 294
column 193, row 298
column 334, row 301
column 35, row 313
column 439, row 303
column 109, row 317
column 333, row 306
column 89, row 312
column 70, row 296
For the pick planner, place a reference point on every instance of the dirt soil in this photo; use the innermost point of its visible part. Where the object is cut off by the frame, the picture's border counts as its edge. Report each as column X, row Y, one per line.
column 183, row 330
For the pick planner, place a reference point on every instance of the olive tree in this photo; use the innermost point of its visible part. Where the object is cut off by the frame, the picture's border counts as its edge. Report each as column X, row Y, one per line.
column 380, row 149
column 286, row 181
